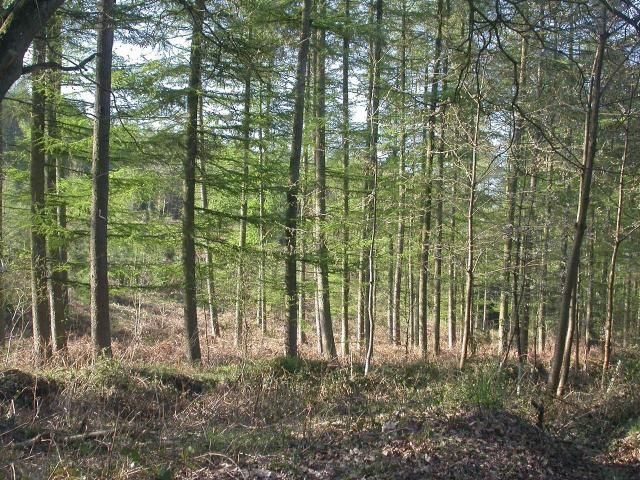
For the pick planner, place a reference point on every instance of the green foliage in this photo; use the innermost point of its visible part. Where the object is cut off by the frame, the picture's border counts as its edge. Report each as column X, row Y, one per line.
column 482, row 385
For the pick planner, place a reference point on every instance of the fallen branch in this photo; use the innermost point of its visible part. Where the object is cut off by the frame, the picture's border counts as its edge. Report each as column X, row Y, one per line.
column 69, row 438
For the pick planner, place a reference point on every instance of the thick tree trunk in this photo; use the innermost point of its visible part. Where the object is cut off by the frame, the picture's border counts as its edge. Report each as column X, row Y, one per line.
column 100, row 320
column 589, row 153
column 291, row 345
column 17, row 31
column 192, row 340
column 40, row 303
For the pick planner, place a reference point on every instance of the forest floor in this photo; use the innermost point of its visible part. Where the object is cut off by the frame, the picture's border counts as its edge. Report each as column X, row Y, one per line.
column 146, row 414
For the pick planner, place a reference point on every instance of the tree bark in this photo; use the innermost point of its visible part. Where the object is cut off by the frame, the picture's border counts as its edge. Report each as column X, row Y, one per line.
column 192, row 340
column 40, row 301
column 239, row 339
column 291, row 345
column 17, row 31
column 618, row 238
column 589, row 152
column 58, row 292
column 468, row 301
column 322, row 278
column 214, row 326
column 3, row 296
column 374, row 119
column 344, row 336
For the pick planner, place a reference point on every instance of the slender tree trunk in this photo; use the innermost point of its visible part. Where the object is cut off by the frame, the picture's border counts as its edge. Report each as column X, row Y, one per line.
column 239, row 339
column 573, row 314
column 346, row 271
column 192, row 340
column 425, row 233
column 374, row 119
column 3, row 296
column 468, row 301
column 40, row 303
column 58, row 294
column 588, row 319
column 611, row 279
column 291, row 344
column 451, row 292
column 544, row 280
column 324, row 306
column 399, row 249
column 214, row 325
column 589, row 152
column 262, row 133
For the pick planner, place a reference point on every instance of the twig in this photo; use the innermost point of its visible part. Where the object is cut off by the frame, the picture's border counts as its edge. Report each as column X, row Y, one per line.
column 68, row 438
column 221, row 455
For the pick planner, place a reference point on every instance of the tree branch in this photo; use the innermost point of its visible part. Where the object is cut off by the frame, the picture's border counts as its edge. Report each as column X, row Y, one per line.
column 38, row 67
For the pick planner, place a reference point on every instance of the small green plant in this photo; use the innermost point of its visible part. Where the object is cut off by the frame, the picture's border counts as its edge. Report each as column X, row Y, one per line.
column 481, row 386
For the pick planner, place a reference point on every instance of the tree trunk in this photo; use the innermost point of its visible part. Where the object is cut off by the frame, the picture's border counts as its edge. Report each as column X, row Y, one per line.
column 239, row 338
column 589, row 153
column 468, row 301
column 374, row 119
column 58, row 293
column 451, row 292
column 399, row 248
column 344, row 337
column 324, row 306
column 192, row 340
column 291, row 345
column 40, row 303
column 3, row 296
column 618, row 238
column 214, row 326
column 543, row 293
column 17, row 31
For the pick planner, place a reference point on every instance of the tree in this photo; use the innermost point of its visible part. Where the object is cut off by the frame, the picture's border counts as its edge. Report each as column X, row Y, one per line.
column 589, row 153
column 20, row 22
column 291, row 345
column 100, row 320
column 322, row 271
column 58, row 292
column 40, row 301
column 192, row 340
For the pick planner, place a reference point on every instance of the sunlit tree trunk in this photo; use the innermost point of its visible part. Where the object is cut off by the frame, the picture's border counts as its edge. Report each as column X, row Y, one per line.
column 451, row 290
column 468, row 291
column 3, row 296
column 239, row 339
column 346, row 271
column 399, row 248
column 589, row 153
column 214, row 326
column 192, row 340
column 40, row 301
column 322, row 277
column 58, row 293
column 291, row 344
column 617, row 240
column 374, row 119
